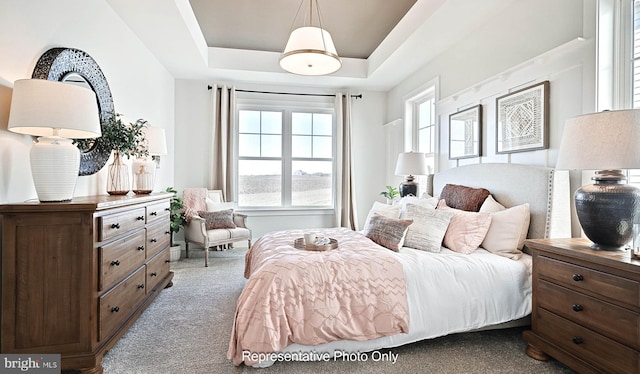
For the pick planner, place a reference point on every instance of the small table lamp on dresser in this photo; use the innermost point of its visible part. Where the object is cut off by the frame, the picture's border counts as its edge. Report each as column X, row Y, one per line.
column 410, row 164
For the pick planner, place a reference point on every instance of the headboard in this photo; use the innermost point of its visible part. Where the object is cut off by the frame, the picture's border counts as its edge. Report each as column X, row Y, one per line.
column 546, row 190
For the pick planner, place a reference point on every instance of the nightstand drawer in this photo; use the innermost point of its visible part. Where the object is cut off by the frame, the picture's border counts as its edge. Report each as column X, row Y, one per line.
column 603, row 317
column 617, row 289
column 121, row 257
column 113, row 225
column 589, row 346
column 117, row 304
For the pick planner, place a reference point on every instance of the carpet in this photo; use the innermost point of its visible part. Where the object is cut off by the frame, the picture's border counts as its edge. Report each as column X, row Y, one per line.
column 187, row 329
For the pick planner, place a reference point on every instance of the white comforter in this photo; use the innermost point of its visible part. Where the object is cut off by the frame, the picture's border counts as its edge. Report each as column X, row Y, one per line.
column 447, row 293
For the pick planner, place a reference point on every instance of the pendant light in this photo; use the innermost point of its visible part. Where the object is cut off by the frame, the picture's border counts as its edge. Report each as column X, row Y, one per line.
column 310, row 49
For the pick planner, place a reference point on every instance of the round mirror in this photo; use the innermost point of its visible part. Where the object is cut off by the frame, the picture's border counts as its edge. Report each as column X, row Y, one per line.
column 76, row 66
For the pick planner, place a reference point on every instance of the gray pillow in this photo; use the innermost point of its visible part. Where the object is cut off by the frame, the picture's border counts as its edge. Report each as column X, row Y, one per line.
column 428, row 228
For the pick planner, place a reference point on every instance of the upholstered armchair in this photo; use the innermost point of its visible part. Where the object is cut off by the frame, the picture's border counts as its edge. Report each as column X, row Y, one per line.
column 211, row 222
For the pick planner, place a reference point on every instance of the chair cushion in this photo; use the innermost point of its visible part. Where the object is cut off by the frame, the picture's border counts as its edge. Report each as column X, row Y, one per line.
column 228, row 235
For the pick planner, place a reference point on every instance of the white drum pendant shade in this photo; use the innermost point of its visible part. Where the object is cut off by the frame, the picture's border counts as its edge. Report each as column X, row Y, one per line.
column 310, row 51
column 54, row 168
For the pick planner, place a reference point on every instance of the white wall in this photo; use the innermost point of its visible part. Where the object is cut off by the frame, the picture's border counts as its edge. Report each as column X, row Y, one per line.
column 140, row 86
column 193, row 107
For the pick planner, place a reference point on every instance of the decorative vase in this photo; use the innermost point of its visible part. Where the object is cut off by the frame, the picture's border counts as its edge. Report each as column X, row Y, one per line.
column 143, row 172
column 175, row 253
column 118, row 178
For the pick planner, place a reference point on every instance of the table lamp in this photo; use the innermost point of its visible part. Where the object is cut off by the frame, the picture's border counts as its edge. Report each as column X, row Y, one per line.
column 410, row 164
column 144, row 169
column 607, row 142
column 56, row 112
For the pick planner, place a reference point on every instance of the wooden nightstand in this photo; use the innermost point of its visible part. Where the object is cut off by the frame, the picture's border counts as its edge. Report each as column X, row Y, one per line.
column 586, row 306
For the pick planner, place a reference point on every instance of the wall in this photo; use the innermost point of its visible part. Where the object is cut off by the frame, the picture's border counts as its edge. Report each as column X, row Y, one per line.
column 140, row 86
column 193, row 109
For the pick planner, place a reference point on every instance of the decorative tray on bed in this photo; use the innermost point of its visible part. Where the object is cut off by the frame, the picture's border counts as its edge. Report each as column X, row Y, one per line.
column 300, row 244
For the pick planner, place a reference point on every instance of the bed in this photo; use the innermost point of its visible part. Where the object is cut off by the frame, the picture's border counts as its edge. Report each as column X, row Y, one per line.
column 362, row 297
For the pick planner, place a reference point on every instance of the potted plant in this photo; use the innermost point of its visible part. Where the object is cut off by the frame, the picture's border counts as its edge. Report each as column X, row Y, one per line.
column 177, row 220
column 391, row 194
column 125, row 140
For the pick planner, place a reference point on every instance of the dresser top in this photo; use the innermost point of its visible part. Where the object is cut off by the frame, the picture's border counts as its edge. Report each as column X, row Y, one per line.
column 83, row 203
column 580, row 248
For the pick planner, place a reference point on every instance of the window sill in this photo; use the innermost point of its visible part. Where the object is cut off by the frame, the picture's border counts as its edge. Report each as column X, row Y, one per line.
column 286, row 211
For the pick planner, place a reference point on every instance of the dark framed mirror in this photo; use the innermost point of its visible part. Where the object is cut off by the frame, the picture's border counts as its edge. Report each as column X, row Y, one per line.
column 77, row 67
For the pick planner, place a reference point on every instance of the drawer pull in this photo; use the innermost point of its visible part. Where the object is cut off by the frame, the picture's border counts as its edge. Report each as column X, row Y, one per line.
column 577, row 340
column 154, row 274
column 115, row 309
column 141, row 248
column 140, row 218
column 154, row 213
column 115, row 226
column 167, row 232
column 115, row 263
column 141, row 286
column 153, row 240
column 577, row 277
column 167, row 261
column 167, row 209
column 577, row 308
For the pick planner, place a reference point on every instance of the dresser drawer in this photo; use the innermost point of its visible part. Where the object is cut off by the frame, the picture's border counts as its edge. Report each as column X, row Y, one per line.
column 617, row 323
column 157, row 211
column 587, row 345
column 117, row 304
column 116, row 224
column 158, row 237
column 616, row 289
column 157, row 269
column 120, row 258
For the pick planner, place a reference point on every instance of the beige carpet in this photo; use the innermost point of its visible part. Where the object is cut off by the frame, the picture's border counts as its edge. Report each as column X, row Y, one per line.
column 187, row 328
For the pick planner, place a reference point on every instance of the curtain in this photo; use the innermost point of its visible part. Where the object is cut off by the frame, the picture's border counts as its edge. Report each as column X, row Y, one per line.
column 346, row 213
column 223, row 103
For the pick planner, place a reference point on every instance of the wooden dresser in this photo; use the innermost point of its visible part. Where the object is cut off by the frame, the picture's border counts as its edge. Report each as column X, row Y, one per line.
column 586, row 306
column 76, row 275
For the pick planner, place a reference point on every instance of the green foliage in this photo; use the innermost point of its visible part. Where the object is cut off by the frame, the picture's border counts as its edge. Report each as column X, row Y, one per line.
column 176, row 214
column 128, row 140
column 390, row 193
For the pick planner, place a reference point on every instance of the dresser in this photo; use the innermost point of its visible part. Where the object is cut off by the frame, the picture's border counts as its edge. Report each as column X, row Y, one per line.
column 77, row 275
column 586, row 306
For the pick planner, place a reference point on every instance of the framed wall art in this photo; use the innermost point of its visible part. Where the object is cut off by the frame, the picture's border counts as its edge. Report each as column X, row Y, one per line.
column 465, row 133
column 522, row 119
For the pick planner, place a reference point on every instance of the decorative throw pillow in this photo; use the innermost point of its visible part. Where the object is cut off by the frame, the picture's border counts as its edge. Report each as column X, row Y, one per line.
column 466, row 230
column 220, row 219
column 463, row 197
column 388, row 232
column 507, row 231
column 490, row 205
column 391, row 211
column 426, row 202
column 428, row 228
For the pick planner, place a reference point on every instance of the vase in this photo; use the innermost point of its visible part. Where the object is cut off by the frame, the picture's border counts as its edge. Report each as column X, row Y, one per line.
column 118, row 178
column 143, row 172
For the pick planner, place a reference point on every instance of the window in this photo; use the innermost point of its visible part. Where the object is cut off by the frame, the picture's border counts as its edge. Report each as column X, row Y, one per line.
column 285, row 157
column 636, row 54
column 421, row 123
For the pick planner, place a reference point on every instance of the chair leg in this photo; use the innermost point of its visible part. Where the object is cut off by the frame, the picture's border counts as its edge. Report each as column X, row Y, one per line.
column 206, row 257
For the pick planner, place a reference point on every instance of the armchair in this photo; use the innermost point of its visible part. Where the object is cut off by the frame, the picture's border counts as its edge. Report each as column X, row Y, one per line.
column 222, row 234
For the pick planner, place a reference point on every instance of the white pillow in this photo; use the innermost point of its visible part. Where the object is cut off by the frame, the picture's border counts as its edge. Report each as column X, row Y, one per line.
column 213, row 206
column 490, row 205
column 426, row 202
column 390, row 211
column 428, row 228
column 507, row 231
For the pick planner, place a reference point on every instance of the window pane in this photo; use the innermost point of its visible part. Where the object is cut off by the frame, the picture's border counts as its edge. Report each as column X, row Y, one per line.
column 249, row 145
column 322, row 124
column 259, row 183
column 301, row 123
column 322, row 147
column 301, row 146
column 271, row 146
column 271, row 122
column 249, row 121
column 425, row 114
column 311, row 183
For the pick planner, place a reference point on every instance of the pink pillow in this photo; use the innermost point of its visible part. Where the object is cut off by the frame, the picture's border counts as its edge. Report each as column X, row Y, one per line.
column 466, row 230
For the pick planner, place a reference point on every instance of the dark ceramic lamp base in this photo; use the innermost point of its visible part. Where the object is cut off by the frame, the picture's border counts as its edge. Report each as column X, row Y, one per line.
column 409, row 187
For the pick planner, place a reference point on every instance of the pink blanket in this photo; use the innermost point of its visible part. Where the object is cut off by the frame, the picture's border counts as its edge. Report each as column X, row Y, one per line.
column 354, row 292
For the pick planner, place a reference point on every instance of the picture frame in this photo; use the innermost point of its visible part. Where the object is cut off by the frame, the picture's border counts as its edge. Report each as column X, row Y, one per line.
column 522, row 119
column 465, row 133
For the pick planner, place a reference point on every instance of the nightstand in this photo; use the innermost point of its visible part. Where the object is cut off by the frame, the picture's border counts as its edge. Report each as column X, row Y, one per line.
column 586, row 306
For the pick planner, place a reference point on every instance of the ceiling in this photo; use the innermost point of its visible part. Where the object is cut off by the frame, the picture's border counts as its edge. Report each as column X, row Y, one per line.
column 381, row 42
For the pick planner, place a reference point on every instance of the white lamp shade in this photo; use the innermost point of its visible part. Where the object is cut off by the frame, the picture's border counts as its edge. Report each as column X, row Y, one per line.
column 607, row 140
column 41, row 107
column 156, row 140
column 310, row 51
column 412, row 163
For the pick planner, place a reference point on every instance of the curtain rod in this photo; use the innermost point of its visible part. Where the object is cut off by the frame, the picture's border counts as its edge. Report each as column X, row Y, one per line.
column 358, row 96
